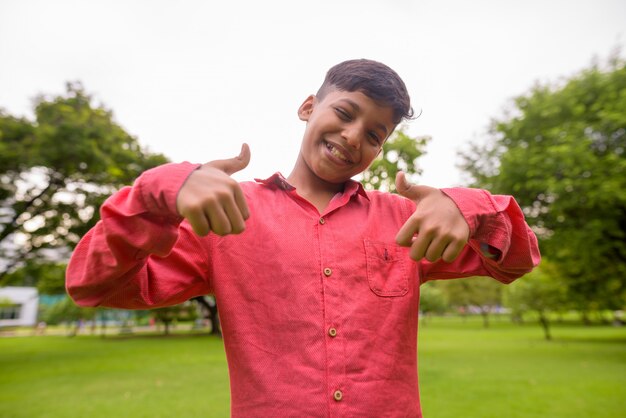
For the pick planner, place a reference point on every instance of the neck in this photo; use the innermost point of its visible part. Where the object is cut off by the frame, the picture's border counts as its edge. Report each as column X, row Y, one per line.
column 317, row 191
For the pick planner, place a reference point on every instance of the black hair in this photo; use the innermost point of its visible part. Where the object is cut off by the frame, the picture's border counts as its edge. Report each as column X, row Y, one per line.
column 374, row 79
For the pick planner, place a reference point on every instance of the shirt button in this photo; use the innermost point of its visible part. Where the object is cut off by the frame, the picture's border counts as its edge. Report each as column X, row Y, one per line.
column 332, row 332
column 338, row 395
column 327, row 272
column 322, row 221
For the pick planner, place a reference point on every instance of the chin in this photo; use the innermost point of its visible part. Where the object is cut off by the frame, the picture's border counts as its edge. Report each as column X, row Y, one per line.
column 334, row 179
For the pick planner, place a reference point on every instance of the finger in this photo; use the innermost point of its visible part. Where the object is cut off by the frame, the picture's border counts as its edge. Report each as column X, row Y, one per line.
column 405, row 235
column 242, row 204
column 402, row 184
column 199, row 222
column 220, row 224
column 233, row 165
column 235, row 217
column 408, row 190
column 436, row 248
column 420, row 246
column 452, row 251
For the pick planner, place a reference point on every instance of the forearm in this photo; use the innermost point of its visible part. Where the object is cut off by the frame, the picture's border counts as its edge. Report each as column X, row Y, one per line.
column 136, row 256
column 497, row 224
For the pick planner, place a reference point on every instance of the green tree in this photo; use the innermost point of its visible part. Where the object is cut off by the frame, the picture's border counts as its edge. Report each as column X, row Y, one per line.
column 481, row 293
column 169, row 314
column 432, row 300
column 400, row 153
column 55, row 171
column 541, row 291
column 560, row 150
column 66, row 310
column 49, row 278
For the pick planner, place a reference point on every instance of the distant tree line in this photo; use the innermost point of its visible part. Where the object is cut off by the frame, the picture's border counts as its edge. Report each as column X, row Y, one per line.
column 559, row 149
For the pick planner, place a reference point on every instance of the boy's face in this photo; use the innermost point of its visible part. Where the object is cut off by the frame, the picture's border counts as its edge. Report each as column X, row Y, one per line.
column 345, row 132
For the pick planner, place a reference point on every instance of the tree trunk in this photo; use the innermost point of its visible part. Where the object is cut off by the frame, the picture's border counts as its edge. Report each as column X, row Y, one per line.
column 485, row 314
column 545, row 324
column 584, row 316
column 211, row 313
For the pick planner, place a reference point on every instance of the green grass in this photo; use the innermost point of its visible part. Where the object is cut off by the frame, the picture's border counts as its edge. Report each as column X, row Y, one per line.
column 511, row 371
column 92, row 377
column 506, row 371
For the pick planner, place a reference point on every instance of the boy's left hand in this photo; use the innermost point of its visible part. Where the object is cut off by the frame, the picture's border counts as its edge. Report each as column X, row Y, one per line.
column 437, row 229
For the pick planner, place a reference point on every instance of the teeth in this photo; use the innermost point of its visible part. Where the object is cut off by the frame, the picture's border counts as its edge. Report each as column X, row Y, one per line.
column 336, row 152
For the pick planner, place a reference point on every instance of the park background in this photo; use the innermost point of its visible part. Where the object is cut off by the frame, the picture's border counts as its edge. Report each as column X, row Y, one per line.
column 524, row 98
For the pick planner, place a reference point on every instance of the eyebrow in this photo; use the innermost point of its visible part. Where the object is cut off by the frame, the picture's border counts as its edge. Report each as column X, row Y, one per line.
column 356, row 108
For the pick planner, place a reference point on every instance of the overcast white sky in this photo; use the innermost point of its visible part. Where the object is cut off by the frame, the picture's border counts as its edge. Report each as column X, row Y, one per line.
column 194, row 79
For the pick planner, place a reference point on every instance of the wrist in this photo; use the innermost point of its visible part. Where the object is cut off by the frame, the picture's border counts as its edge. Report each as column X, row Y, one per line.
column 159, row 188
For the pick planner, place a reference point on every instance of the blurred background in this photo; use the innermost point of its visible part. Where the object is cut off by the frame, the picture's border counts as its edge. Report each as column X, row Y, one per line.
column 520, row 97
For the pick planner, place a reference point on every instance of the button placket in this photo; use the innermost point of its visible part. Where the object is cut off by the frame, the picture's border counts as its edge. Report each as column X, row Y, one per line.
column 335, row 360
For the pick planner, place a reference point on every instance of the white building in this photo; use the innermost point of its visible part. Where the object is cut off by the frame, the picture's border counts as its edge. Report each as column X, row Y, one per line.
column 18, row 306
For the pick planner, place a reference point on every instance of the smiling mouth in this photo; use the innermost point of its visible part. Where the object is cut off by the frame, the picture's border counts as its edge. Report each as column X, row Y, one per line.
column 335, row 152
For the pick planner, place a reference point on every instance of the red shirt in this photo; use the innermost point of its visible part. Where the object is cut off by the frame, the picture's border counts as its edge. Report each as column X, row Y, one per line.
column 319, row 311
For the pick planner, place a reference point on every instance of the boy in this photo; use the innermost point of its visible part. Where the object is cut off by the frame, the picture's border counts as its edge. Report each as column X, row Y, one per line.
column 317, row 280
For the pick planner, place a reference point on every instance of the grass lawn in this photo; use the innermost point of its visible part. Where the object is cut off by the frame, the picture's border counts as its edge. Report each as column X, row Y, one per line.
column 506, row 371
column 510, row 371
column 90, row 377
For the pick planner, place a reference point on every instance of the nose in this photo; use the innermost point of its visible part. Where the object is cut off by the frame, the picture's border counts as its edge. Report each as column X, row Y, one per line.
column 352, row 137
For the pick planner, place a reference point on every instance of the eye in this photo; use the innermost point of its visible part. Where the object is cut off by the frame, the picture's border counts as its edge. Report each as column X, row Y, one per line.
column 374, row 137
column 343, row 115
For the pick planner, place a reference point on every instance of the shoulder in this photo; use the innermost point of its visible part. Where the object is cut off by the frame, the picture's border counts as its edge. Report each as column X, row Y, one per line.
column 258, row 192
column 391, row 203
column 386, row 197
column 250, row 187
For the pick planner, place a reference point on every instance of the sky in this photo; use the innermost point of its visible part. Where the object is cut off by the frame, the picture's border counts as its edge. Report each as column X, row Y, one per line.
column 195, row 79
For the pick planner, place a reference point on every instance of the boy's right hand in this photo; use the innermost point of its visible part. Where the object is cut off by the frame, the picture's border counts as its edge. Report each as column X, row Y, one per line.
column 211, row 200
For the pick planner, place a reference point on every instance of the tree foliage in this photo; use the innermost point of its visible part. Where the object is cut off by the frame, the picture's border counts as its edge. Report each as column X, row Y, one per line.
column 542, row 291
column 167, row 315
column 400, row 153
column 56, row 170
column 482, row 294
column 48, row 278
column 432, row 301
column 560, row 150
column 66, row 310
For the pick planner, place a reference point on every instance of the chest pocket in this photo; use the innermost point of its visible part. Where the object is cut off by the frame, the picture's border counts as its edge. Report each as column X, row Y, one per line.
column 386, row 268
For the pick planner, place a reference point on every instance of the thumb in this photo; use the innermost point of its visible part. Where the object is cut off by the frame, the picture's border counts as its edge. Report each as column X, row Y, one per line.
column 408, row 190
column 232, row 165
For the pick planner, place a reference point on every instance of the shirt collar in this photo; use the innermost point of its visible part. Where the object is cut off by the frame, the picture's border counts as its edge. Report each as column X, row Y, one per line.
column 351, row 188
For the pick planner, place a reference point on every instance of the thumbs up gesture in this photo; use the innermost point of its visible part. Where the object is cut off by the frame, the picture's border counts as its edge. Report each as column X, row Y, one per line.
column 211, row 200
column 437, row 229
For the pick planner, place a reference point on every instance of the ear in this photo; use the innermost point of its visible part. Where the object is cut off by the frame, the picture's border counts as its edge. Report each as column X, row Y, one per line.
column 306, row 108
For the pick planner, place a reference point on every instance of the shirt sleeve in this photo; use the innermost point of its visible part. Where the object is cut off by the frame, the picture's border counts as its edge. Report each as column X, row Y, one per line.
column 501, row 244
column 140, row 254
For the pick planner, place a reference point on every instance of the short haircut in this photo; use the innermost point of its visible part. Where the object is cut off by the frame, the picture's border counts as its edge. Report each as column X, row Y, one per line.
column 374, row 79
